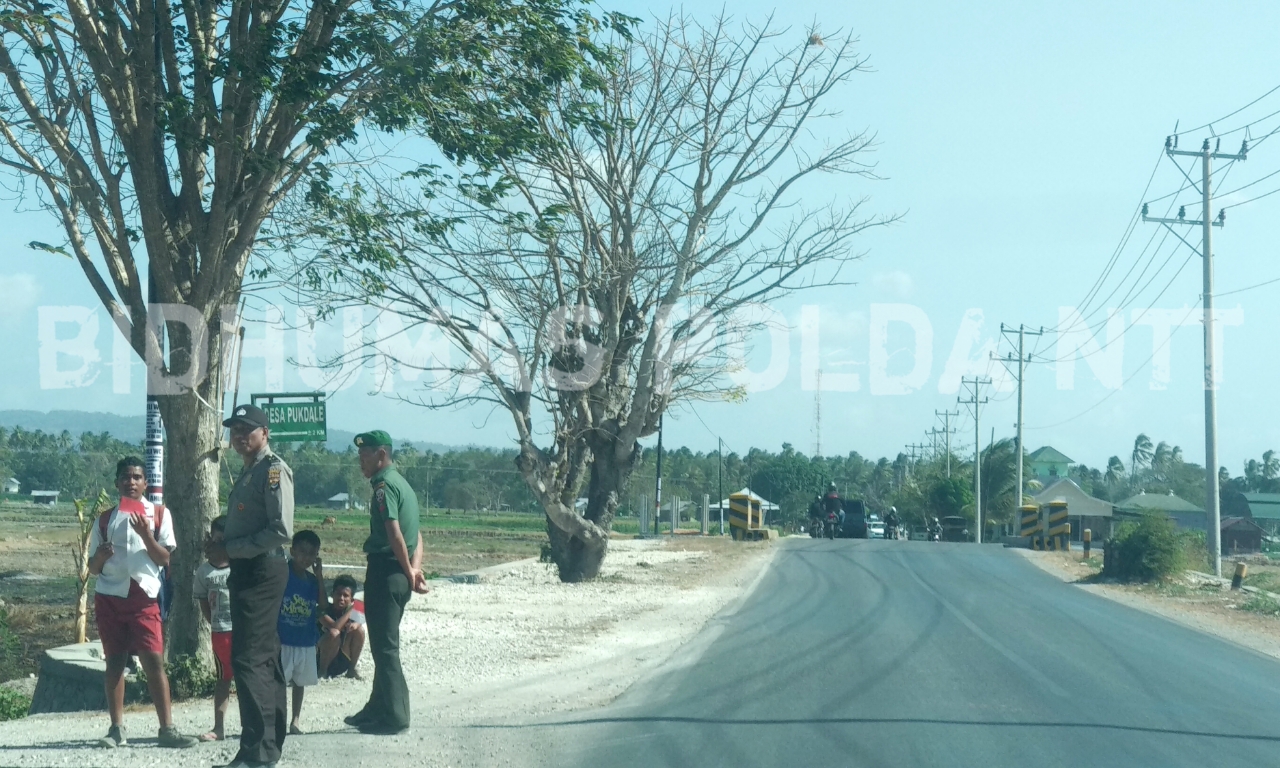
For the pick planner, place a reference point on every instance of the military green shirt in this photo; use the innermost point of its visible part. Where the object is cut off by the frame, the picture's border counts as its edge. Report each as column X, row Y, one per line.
column 393, row 499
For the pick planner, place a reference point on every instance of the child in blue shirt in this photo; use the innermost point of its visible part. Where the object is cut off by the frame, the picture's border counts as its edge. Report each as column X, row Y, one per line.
column 305, row 601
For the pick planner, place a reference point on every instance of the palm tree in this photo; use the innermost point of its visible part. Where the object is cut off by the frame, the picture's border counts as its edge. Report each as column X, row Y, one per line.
column 1115, row 473
column 1000, row 482
column 1160, row 462
column 1270, row 467
column 1141, row 455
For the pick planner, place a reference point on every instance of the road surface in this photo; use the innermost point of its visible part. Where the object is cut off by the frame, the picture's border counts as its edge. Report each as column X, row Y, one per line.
column 892, row 653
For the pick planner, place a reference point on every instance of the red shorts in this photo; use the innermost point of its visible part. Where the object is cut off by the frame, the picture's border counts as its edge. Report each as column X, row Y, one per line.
column 129, row 624
column 222, row 654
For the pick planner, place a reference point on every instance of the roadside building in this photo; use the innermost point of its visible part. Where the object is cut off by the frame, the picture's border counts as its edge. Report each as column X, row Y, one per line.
column 44, row 497
column 1263, row 509
column 339, row 501
column 1240, row 535
column 12, row 485
column 1183, row 513
column 1048, row 464
column 1083, row 510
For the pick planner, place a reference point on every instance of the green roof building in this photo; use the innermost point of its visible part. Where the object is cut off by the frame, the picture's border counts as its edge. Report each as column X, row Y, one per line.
column 1048, row 464
column 1182, row 512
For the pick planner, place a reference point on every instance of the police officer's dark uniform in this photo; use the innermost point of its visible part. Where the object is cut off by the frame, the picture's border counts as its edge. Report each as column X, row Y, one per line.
column 387, row 590
column 259, row 525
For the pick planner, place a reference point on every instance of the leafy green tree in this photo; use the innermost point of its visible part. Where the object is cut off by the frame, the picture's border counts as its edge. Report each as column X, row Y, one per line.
column 163, row 136
column 950, row 497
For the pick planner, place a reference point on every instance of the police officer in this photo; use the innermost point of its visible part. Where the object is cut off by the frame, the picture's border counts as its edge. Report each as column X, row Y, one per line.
column 394, row 550
column 259, row 525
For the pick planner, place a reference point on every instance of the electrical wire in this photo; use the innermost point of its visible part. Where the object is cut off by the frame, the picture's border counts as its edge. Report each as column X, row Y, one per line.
column 1229, row 114
column 1132, row 376
column 1247, row 288
column 1250, row 200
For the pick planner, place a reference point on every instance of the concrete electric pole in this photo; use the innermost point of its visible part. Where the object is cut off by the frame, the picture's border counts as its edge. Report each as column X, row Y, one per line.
column 947, row 432
column 1206, row 223
column 974, row 387
column 1023, row 359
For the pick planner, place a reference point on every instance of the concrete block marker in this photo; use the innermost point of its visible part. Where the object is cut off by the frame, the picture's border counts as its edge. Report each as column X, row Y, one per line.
column 71, row 680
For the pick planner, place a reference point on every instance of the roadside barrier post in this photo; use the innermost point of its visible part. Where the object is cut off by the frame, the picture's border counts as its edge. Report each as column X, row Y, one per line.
column 1029, row 516
column 1058, row 528
column 1087, row 538
column 706, row 513
column 1242, row 570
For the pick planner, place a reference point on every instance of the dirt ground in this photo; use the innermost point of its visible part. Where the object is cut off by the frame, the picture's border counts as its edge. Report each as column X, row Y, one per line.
column 518, row 644
column 1207, row 605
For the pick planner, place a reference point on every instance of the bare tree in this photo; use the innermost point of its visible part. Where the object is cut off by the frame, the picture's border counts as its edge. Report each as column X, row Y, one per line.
column 169, row 132
column 604, row 276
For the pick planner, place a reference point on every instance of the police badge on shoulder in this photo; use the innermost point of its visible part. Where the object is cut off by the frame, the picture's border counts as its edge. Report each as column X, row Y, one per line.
column 273, row 478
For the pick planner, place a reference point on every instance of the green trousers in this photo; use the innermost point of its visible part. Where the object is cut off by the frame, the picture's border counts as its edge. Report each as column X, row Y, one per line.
column 386, row 593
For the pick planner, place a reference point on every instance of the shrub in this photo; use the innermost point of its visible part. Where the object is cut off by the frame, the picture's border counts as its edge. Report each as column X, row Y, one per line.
column 1261, row 604
column 188, row 677
column 1148, row 550
column 13, row 704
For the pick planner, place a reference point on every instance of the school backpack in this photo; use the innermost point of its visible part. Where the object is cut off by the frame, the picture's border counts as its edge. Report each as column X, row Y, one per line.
column 165, row 595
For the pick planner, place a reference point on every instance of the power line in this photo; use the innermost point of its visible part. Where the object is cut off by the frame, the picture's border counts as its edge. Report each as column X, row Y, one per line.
column 1220, row 294
column 1229, row 114
column 1250, row 200
column 1109, row 395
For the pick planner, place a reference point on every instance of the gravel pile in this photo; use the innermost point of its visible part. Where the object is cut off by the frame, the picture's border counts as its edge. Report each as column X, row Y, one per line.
column 518, row 644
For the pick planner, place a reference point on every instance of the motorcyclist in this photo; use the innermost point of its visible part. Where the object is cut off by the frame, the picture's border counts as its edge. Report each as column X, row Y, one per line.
column 935, row 530
column 831, row 503
column 891, row 523
column 816, row 515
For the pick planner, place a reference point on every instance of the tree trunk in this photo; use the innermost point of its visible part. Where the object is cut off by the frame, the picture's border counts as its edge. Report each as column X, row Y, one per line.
column 193, row 438
column 578, row 559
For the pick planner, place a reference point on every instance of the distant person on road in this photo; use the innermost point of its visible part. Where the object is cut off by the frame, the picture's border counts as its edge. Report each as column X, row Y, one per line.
column 305, row 601
column 394, row 573
column 342, row 631
column 831, row 503
column 259, row 524
column 210, row 590
column 131, row 543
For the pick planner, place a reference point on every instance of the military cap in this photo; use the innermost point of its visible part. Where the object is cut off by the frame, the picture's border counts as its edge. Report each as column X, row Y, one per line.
column 373, row 439
column 250, row 415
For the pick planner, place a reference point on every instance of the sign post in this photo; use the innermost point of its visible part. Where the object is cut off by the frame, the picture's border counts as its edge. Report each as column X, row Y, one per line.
column 296, row 417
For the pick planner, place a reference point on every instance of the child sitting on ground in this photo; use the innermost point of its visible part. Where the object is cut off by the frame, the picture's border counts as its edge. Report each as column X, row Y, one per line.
column 210, row 590
column 305, row 601
column 342, row 628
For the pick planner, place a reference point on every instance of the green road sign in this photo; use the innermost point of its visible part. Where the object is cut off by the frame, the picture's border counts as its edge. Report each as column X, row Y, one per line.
column 297, row 420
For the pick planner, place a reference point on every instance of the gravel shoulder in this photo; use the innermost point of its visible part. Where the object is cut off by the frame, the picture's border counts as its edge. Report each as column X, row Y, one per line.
column 1203, row 605
column 518, row 646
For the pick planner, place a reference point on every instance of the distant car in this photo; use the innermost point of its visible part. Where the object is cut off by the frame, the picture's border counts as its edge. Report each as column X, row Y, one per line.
column 875, row 530
column 855, row 520
column 954, row 529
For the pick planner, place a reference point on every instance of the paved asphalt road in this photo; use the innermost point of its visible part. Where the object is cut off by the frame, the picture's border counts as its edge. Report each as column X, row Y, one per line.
column 896, row 654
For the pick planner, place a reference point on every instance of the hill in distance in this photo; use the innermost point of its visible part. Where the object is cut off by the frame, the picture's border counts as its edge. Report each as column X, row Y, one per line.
column 132, row 428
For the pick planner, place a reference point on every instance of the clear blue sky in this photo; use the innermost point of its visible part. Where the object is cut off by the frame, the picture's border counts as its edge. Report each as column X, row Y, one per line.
column 1017, row 138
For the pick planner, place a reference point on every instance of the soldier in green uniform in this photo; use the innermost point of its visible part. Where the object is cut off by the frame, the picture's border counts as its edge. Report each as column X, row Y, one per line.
column 394, row 550
column 259, row 525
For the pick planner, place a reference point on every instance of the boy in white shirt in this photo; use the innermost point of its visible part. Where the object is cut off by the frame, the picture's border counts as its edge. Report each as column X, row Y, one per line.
column 130, row 547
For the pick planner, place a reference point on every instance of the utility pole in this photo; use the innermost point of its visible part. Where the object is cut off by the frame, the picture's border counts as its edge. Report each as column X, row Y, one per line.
column 817, row 416
column 1206, row 223
column 974, row 387
column 720, row 475
column 917, row 453
column 657, row 492
column 948, row 432
column 1022, row 361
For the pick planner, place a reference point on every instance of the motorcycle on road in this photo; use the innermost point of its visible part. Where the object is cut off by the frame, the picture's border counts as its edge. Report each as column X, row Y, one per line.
column 832, row 525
